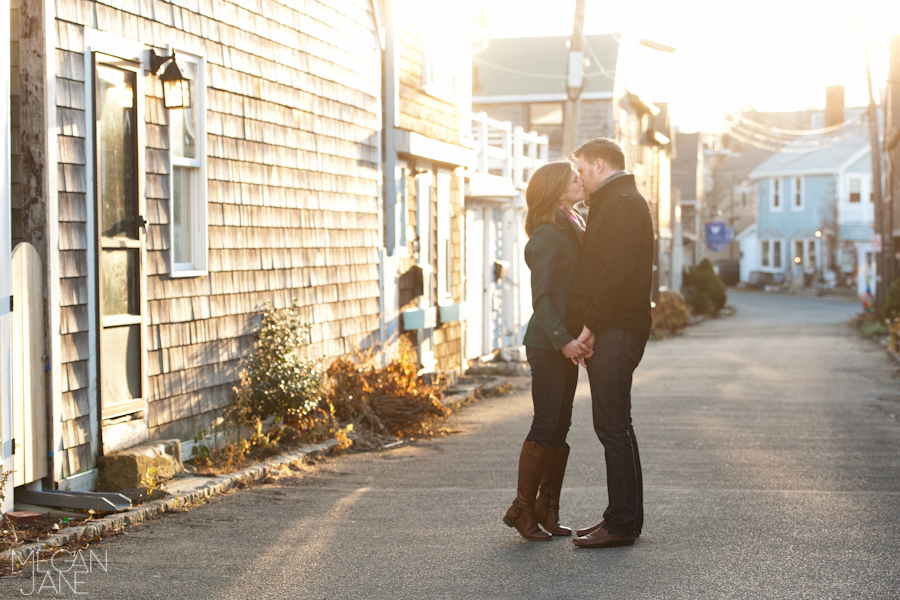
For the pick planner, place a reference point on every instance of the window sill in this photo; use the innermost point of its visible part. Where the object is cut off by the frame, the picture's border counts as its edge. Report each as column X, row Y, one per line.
column 441, row 94
column 188, row 273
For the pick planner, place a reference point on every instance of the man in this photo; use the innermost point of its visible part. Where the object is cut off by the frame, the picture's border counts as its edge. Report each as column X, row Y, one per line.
column 610, row 304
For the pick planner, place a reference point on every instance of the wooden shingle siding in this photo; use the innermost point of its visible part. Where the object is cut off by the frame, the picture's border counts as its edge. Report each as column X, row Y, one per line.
column 421, row 112
column 292, row 123
column 72, row 182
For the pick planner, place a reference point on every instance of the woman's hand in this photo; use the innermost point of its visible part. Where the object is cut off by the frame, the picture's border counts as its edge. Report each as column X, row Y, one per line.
column 575, row 350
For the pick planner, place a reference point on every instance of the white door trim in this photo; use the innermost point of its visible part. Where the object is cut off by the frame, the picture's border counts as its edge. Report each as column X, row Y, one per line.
column 6, row 423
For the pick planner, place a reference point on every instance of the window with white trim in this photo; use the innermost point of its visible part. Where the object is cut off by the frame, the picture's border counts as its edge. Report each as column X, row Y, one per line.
column 797, row 197
column 805, row 253
column 441, row 69
column 855, row 190
column 187, row 144
column 770, row 254
column 776, row 195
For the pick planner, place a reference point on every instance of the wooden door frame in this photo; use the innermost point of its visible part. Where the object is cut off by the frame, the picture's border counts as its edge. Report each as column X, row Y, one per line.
column 101, row 45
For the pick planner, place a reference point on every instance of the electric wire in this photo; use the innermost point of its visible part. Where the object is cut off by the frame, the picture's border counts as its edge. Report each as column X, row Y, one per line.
column 794, row 132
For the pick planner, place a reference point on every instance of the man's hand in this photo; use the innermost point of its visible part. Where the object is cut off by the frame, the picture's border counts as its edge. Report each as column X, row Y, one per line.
column 574, row 350
column 586, row 339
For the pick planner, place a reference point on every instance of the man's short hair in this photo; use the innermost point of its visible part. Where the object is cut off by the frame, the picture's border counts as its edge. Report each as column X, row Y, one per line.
column 602, row 148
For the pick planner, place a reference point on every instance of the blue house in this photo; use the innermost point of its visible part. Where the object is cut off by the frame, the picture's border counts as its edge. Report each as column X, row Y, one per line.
column 814, row 211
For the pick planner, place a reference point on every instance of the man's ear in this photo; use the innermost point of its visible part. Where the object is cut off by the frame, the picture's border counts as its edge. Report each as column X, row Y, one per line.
column 601, row 164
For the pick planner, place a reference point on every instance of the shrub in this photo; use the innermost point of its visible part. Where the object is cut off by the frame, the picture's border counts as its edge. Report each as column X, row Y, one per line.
column 704, row 291
column 891, row 308
column 670, row 312
column 276, row 379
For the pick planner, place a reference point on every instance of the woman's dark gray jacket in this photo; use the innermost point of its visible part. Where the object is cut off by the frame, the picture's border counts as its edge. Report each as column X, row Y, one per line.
column 552, row 255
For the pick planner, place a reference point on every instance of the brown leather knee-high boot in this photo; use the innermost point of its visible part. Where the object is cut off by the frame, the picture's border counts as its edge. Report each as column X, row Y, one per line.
column 546, row 507
column 521, row 514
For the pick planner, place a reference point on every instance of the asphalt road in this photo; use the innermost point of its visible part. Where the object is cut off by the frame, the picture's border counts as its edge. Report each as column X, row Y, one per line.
column 771, row 450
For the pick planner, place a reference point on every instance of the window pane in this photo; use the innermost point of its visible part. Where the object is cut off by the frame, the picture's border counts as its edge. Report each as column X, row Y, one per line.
column 765, row 254
column 776, row 254
column 121, row 364
column 116, row 151
column 183, row 121
column 546, row 113
column 119, row 282
column 183, row 186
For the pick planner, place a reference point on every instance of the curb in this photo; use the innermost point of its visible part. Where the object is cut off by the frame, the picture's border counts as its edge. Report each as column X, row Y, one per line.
column 201, row 489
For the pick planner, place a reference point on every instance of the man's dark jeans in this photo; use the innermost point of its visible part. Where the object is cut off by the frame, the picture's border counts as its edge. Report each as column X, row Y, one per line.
column 553, row 381
column 616, row 356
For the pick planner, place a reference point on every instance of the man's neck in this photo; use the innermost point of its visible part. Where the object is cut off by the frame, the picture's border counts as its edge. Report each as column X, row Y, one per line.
column 614, row 176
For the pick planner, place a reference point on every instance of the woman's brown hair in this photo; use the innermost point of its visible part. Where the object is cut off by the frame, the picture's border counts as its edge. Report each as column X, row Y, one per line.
column 545, row 187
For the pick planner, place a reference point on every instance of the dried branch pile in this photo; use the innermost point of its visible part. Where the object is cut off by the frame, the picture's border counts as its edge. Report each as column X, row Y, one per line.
column 382, row 403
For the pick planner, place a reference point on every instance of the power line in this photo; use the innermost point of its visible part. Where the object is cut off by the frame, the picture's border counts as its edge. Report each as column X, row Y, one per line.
column 794, row 132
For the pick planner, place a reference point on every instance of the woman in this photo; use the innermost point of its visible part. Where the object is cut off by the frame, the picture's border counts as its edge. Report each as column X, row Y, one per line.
column 555, row 230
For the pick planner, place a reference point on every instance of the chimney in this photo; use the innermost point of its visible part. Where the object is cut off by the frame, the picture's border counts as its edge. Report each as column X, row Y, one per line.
column 834, row 105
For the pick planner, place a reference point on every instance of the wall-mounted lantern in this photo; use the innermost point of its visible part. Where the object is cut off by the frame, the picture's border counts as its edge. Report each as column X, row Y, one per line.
column 176, row 87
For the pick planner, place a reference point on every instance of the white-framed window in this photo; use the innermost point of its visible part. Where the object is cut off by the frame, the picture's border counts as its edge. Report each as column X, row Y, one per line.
column 770, row 255
column 187, row 152
column 805, row 253
column 444, row 250
column 424, row 191
column 441, row 69
column 775, row 204
column 797, row 194
column 855, row 186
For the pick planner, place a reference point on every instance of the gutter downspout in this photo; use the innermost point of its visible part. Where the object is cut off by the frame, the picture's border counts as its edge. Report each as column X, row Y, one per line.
column 390, row 308
column 379, row 194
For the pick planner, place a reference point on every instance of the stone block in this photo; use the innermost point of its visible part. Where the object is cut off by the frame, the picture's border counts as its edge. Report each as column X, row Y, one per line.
column 25, row 517
column 132, row 467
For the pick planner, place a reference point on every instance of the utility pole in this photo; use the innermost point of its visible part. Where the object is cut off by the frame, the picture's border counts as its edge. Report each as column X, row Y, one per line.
column 881, row 281
column 574, row 81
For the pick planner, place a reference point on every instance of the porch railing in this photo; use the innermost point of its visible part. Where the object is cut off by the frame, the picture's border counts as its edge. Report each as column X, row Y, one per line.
column 856, row 213
column 506, row 151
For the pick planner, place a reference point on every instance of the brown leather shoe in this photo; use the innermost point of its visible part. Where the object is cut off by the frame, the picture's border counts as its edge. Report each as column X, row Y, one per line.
column 593, row 528
column 547, row 505
column 602, row 539
column 521, row 514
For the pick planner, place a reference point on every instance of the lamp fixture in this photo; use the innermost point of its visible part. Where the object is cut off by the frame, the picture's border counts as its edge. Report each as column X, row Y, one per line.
column 176, row 87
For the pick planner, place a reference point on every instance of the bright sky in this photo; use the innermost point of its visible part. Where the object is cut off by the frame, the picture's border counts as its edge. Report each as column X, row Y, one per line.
column 771, row 54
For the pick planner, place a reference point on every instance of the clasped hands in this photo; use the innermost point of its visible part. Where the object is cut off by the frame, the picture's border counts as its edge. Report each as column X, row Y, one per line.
column 581, row 348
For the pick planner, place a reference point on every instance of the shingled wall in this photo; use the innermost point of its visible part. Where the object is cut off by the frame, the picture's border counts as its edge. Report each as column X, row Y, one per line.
column 437, row 119
column 293, row 115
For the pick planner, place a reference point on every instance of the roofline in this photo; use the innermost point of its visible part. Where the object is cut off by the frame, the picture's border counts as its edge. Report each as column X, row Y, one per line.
column 792, row 173
column 530, row 98
column 855, row 158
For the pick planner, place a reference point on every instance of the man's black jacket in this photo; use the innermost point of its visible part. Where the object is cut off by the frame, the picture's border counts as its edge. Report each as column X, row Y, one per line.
column 613, row 279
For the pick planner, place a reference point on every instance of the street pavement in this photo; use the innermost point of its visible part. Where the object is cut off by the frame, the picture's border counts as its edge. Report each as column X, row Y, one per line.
column 771, row 450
